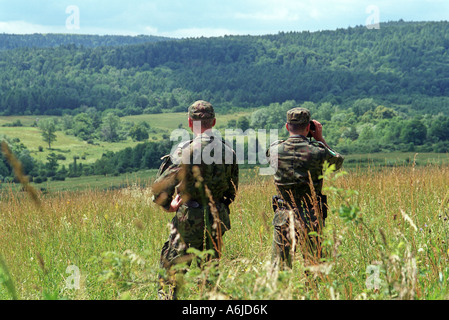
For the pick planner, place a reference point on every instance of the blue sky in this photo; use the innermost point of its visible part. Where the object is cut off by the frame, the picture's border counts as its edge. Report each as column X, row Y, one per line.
column 177, row 18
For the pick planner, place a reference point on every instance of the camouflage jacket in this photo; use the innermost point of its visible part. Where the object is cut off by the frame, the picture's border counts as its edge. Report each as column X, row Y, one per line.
column 199, row 169
column 296, row 158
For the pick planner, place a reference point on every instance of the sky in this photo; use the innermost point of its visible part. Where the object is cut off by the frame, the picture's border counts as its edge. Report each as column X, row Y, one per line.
column 208, row 18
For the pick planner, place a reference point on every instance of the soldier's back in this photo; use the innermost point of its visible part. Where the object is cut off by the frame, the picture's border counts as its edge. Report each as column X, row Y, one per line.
column 210, row 163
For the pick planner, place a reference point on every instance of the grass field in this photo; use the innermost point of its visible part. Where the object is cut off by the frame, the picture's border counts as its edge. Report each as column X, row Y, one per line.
column 66, row 145
column 395, row 159
column 70, row 146
column 170, row 121
column 385, row 238
column 393, row 220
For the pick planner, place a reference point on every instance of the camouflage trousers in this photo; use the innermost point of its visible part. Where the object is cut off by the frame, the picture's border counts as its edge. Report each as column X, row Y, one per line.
column 292, row 229
column 193, row 226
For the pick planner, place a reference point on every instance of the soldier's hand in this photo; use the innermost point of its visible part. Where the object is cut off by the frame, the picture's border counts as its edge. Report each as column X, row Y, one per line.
column 317, row 134
column 175, row 204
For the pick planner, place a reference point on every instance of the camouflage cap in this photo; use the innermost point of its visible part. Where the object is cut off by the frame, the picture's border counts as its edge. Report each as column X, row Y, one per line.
column 299, row 116
column 201, row 110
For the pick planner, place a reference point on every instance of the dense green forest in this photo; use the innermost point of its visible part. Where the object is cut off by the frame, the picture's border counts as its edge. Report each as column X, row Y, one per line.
column 14, row 41
column 374, row 90
column 399, row 64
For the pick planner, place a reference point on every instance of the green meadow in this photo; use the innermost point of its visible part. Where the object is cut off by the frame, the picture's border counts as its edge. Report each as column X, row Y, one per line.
column 70, row 146
column 99, row 237
column 385, row 239
column 66, row 145
column 170, row 121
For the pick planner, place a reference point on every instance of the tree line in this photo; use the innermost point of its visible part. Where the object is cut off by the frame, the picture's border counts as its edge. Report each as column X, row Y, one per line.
column 365, row 127
column 400, row 64
column 51, row 40
column 92, row 126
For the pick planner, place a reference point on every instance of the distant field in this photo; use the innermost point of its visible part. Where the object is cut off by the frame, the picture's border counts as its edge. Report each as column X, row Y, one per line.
column 171, row 121
column 67, row 145
column 395, row 159
column 71, row 146
column 142, row 178
column 27, row 121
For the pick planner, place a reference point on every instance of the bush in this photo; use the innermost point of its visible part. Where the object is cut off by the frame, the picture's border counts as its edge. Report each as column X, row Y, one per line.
column 441, row 147
column 39, row 179
column 58, row 178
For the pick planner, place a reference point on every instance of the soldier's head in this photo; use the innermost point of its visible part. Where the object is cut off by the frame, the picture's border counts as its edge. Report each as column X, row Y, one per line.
column 298, row 121
column 201, row 116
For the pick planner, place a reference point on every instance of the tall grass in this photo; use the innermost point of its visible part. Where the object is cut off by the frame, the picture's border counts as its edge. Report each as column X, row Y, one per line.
column 390, row 220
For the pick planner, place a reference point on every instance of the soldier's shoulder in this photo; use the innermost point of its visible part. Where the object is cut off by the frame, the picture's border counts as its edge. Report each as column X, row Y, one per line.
column 179, row 149
column 318, row 149
column 274, row 146
column 321, row 147
column 184, row 144
column 318, row 144
column 277, row 142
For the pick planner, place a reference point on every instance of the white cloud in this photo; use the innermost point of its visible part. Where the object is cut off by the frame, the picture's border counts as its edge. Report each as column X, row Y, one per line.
column 23, row 27
column 151, row 30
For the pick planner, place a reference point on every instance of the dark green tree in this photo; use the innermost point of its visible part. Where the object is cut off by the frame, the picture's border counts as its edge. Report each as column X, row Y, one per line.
column 139, row 132
column 83, row 126
column 51, row 165
column 110, row 128
column 48, row 129
column 414, row 131
column 439, row 129
column 243, row 123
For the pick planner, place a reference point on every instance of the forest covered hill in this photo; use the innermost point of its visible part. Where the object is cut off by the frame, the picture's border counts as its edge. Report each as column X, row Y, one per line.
column 402, row 63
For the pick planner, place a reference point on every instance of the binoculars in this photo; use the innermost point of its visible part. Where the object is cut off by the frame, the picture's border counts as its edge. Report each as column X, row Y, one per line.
column 312, row 128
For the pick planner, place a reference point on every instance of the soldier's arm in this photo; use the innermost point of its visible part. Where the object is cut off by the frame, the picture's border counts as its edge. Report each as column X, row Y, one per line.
column 272, row 154
column 235, row 180
column 165, row 186
column 169, row 177
column 233, row 185
column 331, row 156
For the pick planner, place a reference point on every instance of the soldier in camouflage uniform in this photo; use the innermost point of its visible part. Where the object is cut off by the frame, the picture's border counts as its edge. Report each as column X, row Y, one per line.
column 300, row 207
column 203, row 174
